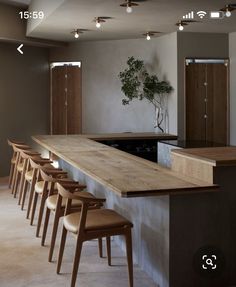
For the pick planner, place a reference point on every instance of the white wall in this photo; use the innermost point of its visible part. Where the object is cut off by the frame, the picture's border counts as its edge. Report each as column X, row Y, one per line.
column 232, row 54
column 101, row 63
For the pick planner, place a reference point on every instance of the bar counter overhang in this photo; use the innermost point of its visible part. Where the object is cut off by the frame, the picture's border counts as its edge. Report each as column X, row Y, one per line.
column 174, row 212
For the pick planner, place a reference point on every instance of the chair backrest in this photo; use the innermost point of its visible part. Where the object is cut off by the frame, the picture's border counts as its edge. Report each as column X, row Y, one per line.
column 68, row 192
column 15, row 142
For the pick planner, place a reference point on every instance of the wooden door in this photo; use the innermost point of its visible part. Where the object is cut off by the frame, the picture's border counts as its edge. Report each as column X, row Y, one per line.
column 207, row 102
column 58, row 100
column 74, row 102
column 195, row 102
column 66, row 100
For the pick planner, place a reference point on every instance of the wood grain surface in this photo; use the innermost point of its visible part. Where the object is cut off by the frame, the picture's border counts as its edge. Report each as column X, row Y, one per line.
column 125, row 174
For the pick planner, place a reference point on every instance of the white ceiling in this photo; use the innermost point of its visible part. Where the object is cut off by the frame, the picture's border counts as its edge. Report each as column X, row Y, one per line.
column 157, row 15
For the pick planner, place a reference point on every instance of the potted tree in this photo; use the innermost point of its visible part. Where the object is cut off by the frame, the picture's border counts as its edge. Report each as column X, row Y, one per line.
column 137, row 83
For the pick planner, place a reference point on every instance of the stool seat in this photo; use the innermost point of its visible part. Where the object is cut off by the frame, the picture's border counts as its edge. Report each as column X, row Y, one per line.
column 51, row 201
column 97, row 219
column 20, row 166
column 39, row 187
column 29, row 175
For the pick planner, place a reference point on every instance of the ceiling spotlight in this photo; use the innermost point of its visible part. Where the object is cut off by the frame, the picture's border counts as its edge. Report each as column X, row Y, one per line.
column 227, row 12
column 228, row 9
column 129, row 9
column 76, row 34
column 129, row 4
column 99, row 20
column 181, row 27
column 149, row 34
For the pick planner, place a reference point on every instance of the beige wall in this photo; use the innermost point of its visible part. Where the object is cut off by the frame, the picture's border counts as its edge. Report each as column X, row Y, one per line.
column 232, row 54
column 101, row 64
column 24, row 96
column 196, row 45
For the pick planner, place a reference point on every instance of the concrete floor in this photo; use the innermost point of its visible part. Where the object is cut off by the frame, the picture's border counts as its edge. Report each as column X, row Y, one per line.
column 23, row 262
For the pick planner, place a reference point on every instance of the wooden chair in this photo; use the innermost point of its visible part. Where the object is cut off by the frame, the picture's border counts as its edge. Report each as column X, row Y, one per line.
column 43, row 189
column 31, row 176
column 52, row 206
column 11, row 143
column 91, row 224
column 21, row 164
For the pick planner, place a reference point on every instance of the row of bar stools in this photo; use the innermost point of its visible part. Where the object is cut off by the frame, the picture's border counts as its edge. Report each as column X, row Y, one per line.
column 82, row 213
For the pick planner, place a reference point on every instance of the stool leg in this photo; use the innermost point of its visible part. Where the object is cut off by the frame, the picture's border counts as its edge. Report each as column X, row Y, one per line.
column 31, row 194
column 108, row 240
column 41, row 209
column 25, row 188
column 78, row 249
column 15, row 187
column 100, row 247
column 11, row 175
column 22, row 179
column 34, row 207
column 45, row 226
column 54, row 234
column 61, row 249
column 128, row 238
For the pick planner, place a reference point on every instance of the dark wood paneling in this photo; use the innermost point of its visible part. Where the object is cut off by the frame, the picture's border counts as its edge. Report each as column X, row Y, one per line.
column 195, row 104
column 74, row 100
column 217, row 90
column 58, row 99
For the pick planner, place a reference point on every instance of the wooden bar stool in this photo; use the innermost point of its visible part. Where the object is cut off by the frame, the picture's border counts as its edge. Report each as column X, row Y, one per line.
column 25, row 156
column 31, row 177
column 19, row 166
column 13, row 159
column 42, row 189
column 51, row 205
column 91, row 224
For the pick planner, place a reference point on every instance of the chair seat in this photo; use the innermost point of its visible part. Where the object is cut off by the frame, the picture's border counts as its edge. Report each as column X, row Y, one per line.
column 97, row 219
column 52, row 201
column 29, row 175
column 39, row 187
column 20, row 166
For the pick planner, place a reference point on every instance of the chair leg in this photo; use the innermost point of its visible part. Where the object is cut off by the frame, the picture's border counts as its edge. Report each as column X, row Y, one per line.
column 54, row 235
column 100, row 247
column 11, row 176
column 22, row 179
column 45, row 226
column 128, row 238
column 31, row 193
column 78, row 249
column 34, row 207
column 61, row 249
column 13, row 179
column 16, row 183
column 25, row 188
column 108, row 240
column 41, row 209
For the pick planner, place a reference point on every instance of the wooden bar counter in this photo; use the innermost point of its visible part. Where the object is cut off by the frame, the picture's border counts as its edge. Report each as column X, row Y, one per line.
column 177, row 213
column 128, row 175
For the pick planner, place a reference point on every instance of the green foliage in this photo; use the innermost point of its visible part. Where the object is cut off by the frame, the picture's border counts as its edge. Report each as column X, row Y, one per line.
column 137, row 83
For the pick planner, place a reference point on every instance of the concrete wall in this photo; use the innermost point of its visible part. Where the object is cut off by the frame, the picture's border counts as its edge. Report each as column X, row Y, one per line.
column 101, row 87
column 232, row 54
column 196, row 45
column 24, row 96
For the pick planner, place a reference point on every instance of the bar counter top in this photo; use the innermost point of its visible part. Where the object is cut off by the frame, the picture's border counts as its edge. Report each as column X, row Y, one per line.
column 125, row 174
column 215, row 156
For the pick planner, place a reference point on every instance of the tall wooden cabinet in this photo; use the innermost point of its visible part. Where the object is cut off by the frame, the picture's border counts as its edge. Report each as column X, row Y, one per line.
column 66, row 100
column 207, row 101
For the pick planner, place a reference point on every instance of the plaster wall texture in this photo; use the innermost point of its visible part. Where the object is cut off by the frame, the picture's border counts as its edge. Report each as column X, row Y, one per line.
column 232, row 54
column 101, row 88
column 24, row 97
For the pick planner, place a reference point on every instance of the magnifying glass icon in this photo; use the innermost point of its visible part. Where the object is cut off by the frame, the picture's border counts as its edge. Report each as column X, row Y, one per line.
column 209, row 262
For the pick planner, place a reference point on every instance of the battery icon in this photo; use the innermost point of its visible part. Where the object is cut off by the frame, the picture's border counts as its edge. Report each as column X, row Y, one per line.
column 217, row 14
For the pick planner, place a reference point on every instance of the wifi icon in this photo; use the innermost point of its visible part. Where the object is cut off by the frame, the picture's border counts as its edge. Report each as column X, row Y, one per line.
column 201, row 14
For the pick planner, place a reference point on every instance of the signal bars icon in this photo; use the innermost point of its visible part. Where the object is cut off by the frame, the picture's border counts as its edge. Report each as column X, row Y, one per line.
column 189, row 15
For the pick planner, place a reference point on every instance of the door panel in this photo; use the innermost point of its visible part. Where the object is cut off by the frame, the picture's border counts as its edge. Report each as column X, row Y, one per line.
column 217, row 78
column 58, row 99
column 195, row 102
column 74, row 101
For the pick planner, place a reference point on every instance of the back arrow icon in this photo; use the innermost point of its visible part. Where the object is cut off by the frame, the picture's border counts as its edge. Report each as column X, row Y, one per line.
column 19, row 49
